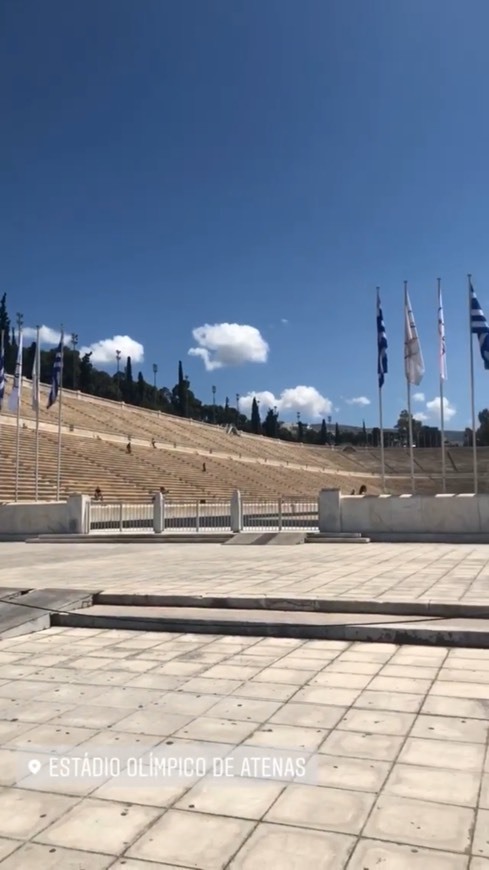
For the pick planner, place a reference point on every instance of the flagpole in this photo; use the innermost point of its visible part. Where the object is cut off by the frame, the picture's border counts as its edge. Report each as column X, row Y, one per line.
column 442, row 408
column 2, row 370
column 35, row 386
column 381, row 427
column 472, row 389
column 60, row 403
column 381, row 372
column 410, row 417
column 17, row 438
column 442, row 429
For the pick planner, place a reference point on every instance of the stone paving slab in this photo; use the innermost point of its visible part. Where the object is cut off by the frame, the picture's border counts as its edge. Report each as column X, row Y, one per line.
column 295, row 753
column 394, row 572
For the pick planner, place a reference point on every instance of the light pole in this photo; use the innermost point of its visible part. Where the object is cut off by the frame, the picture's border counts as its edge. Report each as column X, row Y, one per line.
column 237, row 409
column 74, row 342
column 214, row 404
column 118, row 355
column 299, row 432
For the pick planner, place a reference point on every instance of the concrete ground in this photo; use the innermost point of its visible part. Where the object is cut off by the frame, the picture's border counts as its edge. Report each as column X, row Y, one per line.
column 397, row 572
column 337, row 755
column 140, row 750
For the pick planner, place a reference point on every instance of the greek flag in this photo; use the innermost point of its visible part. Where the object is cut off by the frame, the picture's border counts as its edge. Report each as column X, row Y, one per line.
column 56, row 375
column 479, row 327
column 382, row 368
column 2, row 369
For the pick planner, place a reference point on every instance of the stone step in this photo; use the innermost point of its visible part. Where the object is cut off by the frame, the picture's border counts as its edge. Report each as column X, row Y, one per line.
column 333, row 538
column 131, row 538
column 423, row 608
column 387, row 628
column 32, row 611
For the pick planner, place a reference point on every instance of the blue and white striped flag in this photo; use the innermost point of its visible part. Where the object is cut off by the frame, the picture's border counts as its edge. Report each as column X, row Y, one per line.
column 382, row 367
column 2, row 368
column 57, row 374
column 479, row 327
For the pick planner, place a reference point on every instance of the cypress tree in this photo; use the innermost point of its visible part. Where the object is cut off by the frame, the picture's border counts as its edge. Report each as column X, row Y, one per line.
column 323, row 435
column 128, row 387
column 86, row 374
column 255, row 417
column 140, row 389
column 182, row 392
column 5, row 327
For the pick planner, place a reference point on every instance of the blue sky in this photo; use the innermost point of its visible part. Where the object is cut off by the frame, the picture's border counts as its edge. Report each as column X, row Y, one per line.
column 174, row 163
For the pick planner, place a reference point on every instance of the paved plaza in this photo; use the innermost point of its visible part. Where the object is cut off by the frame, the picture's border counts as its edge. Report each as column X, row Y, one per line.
column 394, row 572
column 386, row 747
column 145, row 750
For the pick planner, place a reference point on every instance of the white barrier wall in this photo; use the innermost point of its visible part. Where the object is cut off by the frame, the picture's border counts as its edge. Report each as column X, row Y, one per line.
column 42, row 518
column 410, row 514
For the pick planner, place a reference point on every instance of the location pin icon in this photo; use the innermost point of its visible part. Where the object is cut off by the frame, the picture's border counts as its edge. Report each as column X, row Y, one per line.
column 34, row 766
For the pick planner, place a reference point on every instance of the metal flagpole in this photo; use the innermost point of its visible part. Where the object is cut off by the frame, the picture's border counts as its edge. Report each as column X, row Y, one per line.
column 2, row 370
column 442, row 352
column 17, row 438
column 472, row 390
column 381, row 427
column 442, row 429
column 381, row 372
column 410, row 417
column 35, row 387
column 410, row 426
column 60, row 402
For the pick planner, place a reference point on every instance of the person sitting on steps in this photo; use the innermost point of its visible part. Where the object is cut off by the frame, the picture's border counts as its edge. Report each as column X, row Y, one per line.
column 97, row 496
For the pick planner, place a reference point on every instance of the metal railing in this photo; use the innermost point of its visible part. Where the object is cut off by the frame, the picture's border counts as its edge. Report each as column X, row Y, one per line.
column 206, row 515
column 283, row 514
column 120, row 517
column 202, row 515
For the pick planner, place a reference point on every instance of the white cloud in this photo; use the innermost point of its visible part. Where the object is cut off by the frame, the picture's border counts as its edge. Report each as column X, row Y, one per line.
column 47, row 335
column 284, row 321
column 432, row 414
column 307, row 400
column 419, row 397
column 435, row 405
column 358, row 400
column 229, row 344
column 104, row 351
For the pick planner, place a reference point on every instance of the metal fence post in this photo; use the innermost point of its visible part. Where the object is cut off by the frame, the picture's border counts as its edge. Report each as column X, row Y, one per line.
column 197, row 516
column 280, row 517
column 121, row 514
